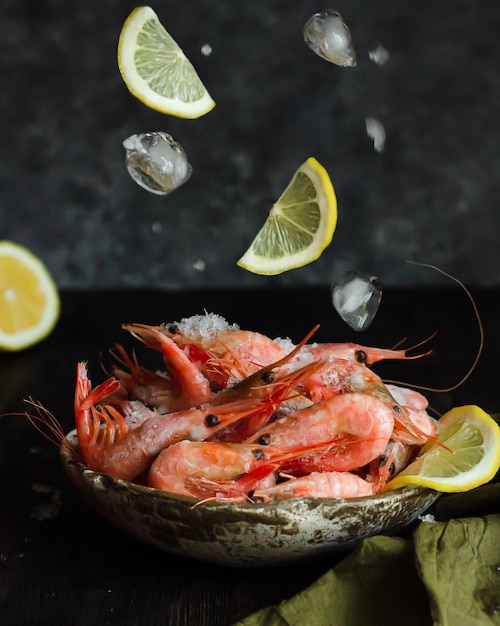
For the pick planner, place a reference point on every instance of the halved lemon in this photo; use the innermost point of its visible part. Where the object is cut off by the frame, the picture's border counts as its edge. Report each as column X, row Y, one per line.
column 300, row 225
column 473, row 458
column 29, row 299
column 156, row 70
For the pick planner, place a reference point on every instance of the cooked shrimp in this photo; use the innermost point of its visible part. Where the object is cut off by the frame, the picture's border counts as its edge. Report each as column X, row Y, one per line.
column 234, row 355
column 317, row 485
column 224, row 352
column 182, row 371
column 355, row 352
column 110, row 444
column 396, row 457
column 153, row 388
column 368, row 421
column 415, row 405
column 217, row 470
column 408, row 397
column 189, row 386
column 340, row 376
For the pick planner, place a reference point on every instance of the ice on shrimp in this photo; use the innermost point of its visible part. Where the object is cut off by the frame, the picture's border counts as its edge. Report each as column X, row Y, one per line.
column 202, row 327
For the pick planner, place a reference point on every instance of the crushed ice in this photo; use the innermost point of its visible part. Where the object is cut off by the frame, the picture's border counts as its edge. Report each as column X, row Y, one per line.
column 207, row 326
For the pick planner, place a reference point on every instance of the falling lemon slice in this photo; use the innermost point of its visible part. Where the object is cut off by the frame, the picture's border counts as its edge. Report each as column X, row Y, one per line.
column 29, row 300
column 469, row 458
column 299, row 226
column 156, row 70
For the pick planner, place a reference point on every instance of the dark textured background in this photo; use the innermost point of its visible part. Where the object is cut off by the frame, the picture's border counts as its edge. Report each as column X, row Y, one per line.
column 431, row 196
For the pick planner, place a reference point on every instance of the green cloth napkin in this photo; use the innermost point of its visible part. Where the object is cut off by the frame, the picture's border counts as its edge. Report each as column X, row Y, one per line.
column 376, row 585
column 448, row 575
column 459, row 563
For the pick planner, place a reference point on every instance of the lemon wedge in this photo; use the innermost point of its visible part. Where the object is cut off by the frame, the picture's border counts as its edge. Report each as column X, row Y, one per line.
column 300, row 225
column 156, row 70
column 472, row 458
column 29, row 300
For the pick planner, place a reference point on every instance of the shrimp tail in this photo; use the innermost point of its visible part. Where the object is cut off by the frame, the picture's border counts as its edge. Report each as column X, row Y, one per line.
column 96, row 424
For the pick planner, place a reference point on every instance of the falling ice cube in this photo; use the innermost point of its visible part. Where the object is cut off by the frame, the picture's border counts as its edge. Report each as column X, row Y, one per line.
column 206, row 49
column 376, row 131
column 156, row 162
column 379, row 55
column 328, row 36
column 356, row 298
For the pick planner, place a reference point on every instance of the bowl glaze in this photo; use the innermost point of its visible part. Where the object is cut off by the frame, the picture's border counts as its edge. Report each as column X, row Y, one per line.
column 243, row 534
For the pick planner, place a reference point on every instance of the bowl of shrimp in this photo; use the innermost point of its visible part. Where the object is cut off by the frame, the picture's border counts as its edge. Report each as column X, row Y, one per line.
column 243, row 450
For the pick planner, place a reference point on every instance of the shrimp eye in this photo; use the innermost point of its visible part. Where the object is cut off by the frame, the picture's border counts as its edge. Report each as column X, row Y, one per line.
column 265, row 440
column 361, row 356
column 172, row 329
column 211, row 419
column 392, row 468
column 383, row 460
column 268, row 377
column 397, row 408
column 258, row 454
column 250, row 494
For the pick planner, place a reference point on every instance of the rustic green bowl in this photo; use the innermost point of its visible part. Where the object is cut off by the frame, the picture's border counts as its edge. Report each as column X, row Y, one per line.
column 243, row 535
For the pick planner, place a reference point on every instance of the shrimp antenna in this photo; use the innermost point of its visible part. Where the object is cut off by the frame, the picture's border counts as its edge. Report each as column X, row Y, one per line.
column 45, row 423
column 417, row 345
column 481, row 333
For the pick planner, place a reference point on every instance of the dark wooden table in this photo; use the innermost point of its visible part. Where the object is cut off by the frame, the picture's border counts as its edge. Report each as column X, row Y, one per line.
column 60, row 563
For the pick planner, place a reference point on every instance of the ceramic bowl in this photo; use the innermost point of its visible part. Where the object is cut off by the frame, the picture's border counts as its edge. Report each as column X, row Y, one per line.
column 247, row 534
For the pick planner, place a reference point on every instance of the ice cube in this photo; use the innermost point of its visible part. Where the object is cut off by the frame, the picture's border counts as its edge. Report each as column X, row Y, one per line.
column 356, row 298
column 156, row 162
column 376, row 131
column 329, row 37
column 379, row 55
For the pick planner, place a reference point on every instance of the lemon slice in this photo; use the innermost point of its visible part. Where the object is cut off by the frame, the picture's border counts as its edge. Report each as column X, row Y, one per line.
column 156, row 70
column 29, row 300
column 474, row 438
column 300, row 225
